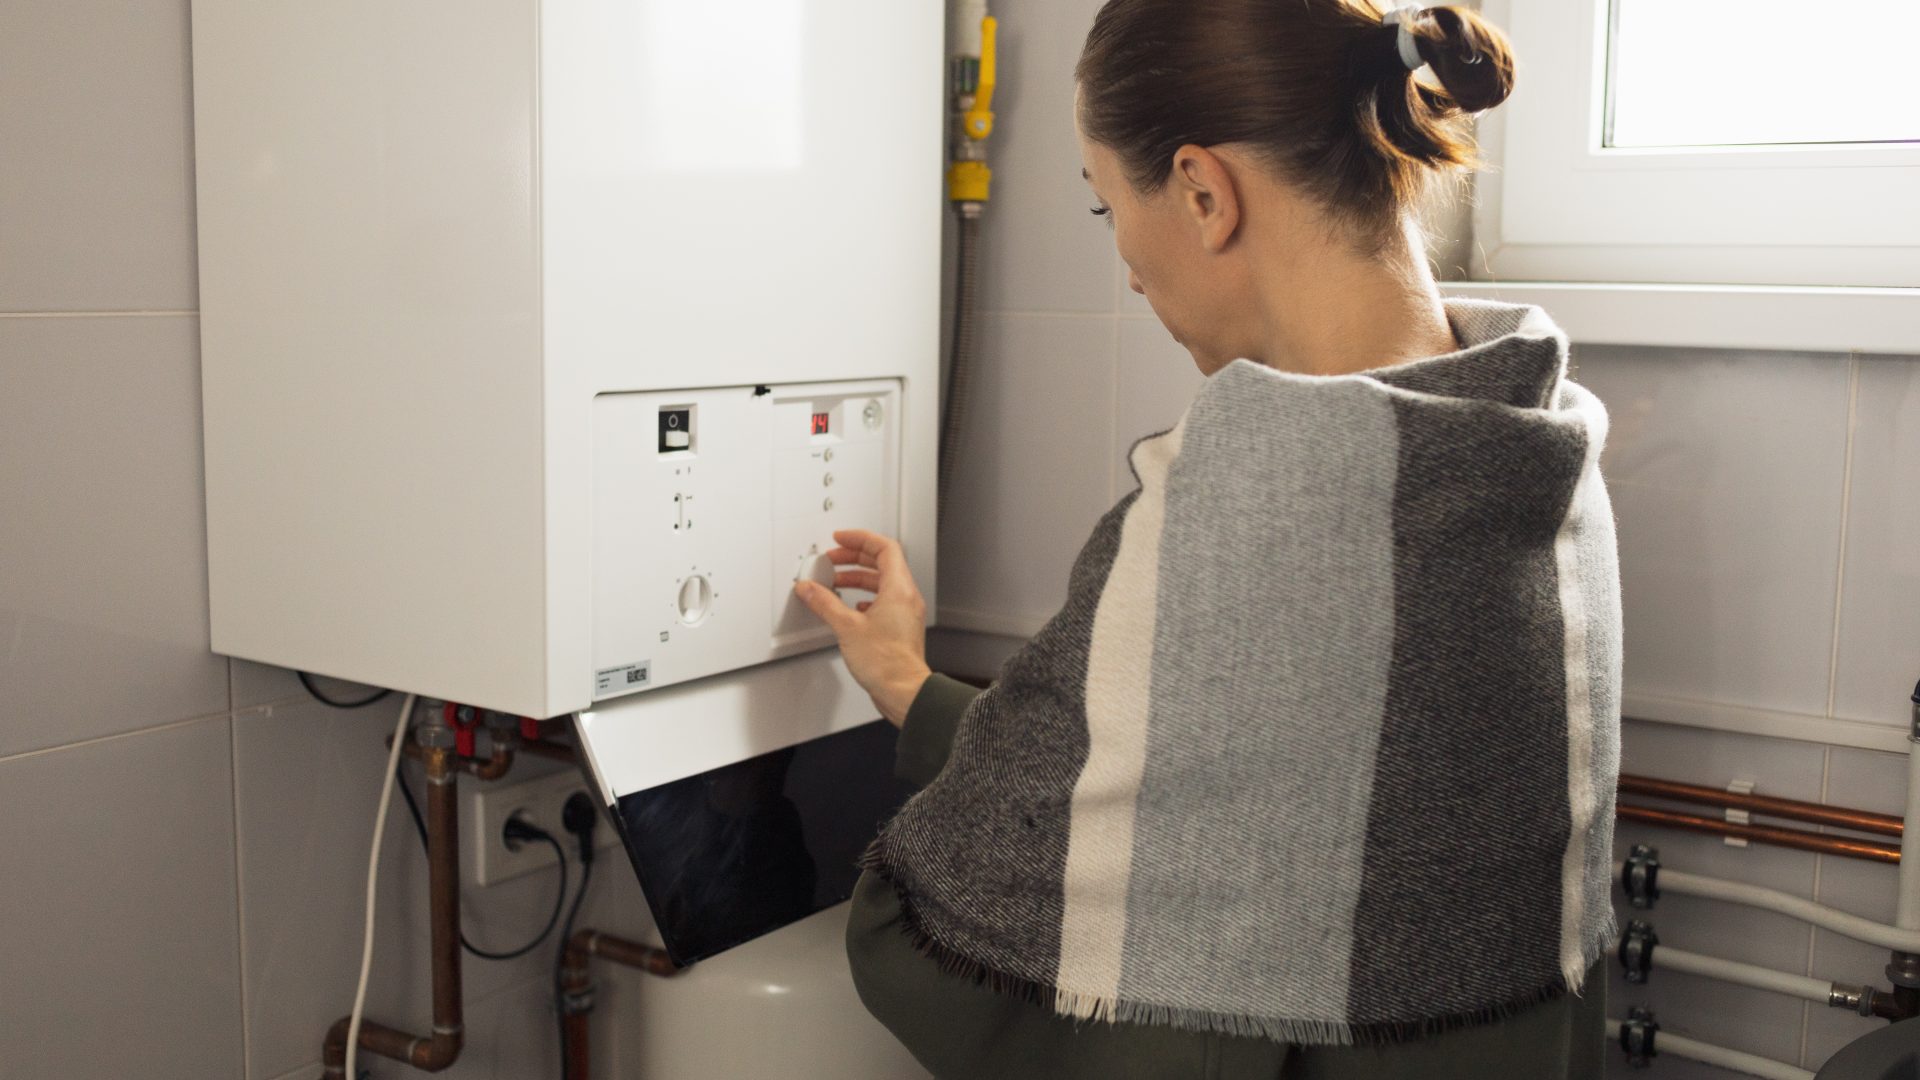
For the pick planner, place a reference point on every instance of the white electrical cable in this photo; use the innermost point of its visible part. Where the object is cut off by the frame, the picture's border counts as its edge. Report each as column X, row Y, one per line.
column 373, row 879
column 1694, row 1050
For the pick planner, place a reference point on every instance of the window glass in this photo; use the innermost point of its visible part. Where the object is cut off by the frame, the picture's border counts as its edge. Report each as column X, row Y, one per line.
column 1762, row 72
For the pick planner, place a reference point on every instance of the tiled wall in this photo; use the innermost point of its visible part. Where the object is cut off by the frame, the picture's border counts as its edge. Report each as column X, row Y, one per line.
column 1768, row 526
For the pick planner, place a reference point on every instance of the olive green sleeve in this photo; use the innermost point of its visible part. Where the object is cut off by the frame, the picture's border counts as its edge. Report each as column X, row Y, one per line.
column 927, row 736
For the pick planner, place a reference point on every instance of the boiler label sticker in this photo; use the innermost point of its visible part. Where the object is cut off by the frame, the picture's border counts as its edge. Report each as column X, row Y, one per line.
column 621, row 679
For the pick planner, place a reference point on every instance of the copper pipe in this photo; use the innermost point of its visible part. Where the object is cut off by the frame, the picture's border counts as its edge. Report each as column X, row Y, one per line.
column 494, row 767
column 1792, row 809
column 439, row 1050
column 1872, row 850
column 577, row 988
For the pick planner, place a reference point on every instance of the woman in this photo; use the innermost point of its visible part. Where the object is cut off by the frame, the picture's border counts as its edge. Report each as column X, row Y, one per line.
column 1312, row 775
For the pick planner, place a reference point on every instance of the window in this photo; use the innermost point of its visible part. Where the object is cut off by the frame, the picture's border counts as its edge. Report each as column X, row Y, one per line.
column 1762, row 72
column 1769, row 142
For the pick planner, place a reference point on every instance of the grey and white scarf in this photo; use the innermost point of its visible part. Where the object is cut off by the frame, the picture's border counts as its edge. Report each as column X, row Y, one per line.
column 1322, row 746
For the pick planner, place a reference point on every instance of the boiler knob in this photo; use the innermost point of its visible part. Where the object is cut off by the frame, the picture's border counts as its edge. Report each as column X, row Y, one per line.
column 696, row 598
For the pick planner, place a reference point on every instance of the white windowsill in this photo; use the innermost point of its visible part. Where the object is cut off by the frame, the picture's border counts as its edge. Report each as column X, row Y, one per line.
column 1719, row 316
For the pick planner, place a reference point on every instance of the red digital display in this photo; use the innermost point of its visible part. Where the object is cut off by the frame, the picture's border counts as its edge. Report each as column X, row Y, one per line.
column 820, row 423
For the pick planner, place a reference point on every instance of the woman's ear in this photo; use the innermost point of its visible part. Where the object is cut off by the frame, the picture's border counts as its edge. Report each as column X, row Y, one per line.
column 1205, row 189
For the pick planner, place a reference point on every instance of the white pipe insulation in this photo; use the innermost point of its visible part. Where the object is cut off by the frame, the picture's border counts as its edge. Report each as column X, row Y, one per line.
column 1752, row 1064
column 1712, row 967
column 963, row 33
column 1840, row 922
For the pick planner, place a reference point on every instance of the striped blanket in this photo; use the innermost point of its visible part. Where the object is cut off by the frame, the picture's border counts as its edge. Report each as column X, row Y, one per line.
column 1322, row 746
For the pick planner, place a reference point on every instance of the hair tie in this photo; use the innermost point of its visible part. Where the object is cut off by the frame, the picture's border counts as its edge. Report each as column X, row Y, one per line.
column 1409, row 49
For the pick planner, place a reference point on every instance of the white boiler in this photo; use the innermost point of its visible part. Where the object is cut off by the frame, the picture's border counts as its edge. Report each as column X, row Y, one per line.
column 545, row 343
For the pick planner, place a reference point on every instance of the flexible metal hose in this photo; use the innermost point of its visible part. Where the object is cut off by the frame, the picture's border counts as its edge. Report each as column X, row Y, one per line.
column 966, row 315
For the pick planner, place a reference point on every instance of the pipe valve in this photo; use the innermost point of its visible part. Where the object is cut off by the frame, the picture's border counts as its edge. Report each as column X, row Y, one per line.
column 974, row 79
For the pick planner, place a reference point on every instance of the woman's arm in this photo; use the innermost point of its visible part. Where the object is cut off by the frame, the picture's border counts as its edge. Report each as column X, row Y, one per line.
column 927, row 736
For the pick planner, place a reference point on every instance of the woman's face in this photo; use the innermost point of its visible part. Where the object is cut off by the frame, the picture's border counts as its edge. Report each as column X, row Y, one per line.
column 1194, row 296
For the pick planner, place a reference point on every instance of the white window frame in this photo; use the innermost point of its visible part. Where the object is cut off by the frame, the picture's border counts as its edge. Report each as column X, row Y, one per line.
column 1561, row 215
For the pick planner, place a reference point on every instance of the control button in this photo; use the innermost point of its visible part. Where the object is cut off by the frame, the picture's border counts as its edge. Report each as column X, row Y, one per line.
column 871, row 414
column 676, row 430
column 827, row 480
column 696, row 598
column 828, row 456
column 827, row 505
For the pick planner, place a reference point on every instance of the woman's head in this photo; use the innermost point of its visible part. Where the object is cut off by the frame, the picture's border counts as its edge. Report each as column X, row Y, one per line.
column 1195, row 114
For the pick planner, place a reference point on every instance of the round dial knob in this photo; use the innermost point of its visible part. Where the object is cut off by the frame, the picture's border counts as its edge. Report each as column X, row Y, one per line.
column 696, row 599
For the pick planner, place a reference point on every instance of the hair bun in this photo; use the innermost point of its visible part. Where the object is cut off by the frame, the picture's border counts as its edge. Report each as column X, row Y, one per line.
column 1470, row 56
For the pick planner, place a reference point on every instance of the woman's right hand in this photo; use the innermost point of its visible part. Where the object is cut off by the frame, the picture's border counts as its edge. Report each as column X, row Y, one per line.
column 884, row 640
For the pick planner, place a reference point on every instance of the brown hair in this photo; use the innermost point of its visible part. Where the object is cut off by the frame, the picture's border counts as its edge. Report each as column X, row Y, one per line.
column 1318, row 86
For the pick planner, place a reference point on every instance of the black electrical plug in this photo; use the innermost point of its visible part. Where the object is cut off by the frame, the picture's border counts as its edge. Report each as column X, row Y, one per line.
column 518, row 830
column 580, row 817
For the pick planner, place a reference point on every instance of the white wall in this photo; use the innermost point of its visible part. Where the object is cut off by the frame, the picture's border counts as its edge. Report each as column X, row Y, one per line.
column 1767, row 520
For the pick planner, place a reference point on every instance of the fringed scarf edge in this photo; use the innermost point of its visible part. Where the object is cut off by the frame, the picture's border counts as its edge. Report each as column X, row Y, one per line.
column 1303, row 1032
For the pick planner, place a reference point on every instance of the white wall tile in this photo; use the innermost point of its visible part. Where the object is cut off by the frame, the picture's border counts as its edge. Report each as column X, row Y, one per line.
column 120, row 940
column 1035, row 470
column 1725, row 471
column 1788, row 768
column 96, row 184
column 103, row 605
column 1042, row 250
column 1155, row 382
column 1880, row 614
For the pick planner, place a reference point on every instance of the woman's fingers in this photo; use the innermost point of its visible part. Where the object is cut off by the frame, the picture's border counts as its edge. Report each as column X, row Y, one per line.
column 827, row 604
column 881, row 553
column 868, row 580
column 843, row 556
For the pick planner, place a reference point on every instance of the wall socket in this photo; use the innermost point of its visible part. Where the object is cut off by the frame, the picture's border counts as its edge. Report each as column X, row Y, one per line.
column 539, row 802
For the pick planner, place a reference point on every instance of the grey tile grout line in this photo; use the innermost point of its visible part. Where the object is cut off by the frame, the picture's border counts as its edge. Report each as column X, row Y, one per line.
column 135, row 733
column 1846, row 511
column 239, row 888
column 1813, row 932
column 158, row 313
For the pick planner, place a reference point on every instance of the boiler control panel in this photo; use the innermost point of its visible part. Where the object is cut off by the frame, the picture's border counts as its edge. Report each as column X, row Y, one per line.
column 708, row 506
